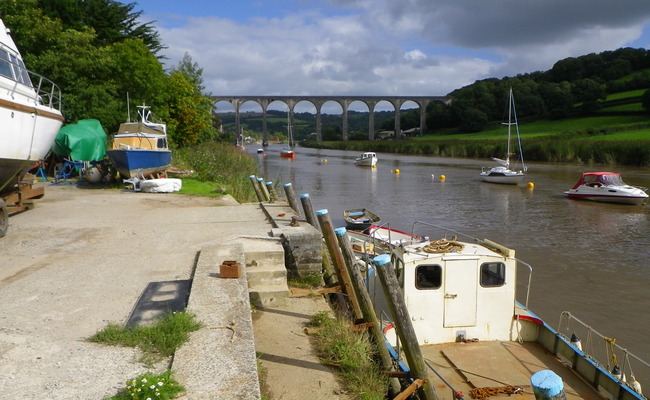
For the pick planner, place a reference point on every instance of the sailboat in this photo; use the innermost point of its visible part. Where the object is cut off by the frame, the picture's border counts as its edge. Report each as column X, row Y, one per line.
column 288, row 152
column 502, row 173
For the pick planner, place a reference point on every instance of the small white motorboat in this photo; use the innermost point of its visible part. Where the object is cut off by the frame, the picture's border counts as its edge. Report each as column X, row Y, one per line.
column 367, row 159
column 607, row 187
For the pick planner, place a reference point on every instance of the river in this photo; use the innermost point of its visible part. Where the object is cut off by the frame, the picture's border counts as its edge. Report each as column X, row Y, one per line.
column 591, row 259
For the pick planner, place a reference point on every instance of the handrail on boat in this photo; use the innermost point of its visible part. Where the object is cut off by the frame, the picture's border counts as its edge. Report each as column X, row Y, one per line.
column 566, row 318
column 46, row 92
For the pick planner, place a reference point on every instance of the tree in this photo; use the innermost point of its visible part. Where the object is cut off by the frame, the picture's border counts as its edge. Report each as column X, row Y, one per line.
column 190, row 108
column 112, row 21
column 558, row 99
column 568, row 69
column 474, row 120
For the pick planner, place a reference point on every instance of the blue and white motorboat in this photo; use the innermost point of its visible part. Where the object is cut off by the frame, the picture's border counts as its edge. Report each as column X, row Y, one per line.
column 140, row 149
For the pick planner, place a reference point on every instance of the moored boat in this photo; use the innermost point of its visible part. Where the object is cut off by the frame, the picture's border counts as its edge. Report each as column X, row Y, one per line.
column 289, row 152
column 460, row 299
column 607, row 187
column 30, row 114
column 367, row 159
column 503, row 172
column 360, row 219
column 140, row 148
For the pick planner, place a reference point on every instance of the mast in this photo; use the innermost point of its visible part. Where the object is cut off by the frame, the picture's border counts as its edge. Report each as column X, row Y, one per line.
column 509, row 125
column 289, row 131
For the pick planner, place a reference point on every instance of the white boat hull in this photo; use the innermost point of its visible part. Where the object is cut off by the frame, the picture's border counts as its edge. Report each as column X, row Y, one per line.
column 607, row 187
column 502, row 175
column 369, row 162
column 629, row 195
column 366, row 160
column 28, row 130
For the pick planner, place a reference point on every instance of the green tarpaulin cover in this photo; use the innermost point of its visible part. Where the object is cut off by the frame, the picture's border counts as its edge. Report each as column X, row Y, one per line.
column 83, row 141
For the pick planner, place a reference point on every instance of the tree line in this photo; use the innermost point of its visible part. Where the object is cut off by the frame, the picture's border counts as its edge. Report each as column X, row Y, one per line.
column 99, row 53
column 575, row 86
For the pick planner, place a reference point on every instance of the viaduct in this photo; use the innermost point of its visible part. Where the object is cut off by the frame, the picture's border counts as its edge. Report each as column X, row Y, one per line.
column 343, row 101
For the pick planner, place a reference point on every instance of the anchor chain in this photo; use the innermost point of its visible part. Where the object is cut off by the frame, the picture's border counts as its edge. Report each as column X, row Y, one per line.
column 486, row 392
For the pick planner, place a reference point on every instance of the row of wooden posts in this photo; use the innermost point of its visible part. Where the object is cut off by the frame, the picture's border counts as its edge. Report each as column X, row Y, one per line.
column 342, row 275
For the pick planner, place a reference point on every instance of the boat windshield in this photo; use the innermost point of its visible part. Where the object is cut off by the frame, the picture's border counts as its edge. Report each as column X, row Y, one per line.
column 607, row 180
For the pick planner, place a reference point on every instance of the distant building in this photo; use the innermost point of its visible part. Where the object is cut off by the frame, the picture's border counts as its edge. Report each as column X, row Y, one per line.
column 384, row 135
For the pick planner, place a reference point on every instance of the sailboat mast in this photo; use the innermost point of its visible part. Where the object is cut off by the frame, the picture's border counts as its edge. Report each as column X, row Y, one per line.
column 509, row 125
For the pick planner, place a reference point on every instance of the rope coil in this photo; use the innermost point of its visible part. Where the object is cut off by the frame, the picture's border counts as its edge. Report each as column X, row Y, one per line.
column 443, row 246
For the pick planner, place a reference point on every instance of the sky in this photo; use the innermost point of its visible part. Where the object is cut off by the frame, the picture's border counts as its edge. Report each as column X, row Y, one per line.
column 384, row 47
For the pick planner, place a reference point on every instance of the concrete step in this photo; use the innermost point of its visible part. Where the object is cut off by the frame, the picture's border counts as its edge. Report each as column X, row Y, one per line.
column 266, row 276
column 263, row 253
column 269, row 296
column 266, row 272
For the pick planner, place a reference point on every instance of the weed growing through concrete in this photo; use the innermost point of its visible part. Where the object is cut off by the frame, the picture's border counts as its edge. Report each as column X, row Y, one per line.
column 352, row 353
column 150, row 386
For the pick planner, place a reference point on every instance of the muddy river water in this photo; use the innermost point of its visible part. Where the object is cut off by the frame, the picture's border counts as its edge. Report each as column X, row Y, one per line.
column 592, row 259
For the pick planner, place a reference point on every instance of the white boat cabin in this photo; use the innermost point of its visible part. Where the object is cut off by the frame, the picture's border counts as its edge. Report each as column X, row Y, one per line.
column 466, row 292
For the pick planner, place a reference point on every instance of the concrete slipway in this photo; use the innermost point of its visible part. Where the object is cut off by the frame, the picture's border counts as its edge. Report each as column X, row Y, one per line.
column 86, row 257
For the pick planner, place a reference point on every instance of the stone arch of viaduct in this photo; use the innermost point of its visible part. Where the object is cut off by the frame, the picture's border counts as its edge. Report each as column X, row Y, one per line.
column 344, row 101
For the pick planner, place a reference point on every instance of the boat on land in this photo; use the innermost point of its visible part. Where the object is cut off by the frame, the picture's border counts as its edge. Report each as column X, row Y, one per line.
column 367, row 159
column 289, row 152
column 140, row 148
column 503, row 173
column 30, row 118
column 607, row 187
column 360, row 219
column 30, row 113
column 466, row 301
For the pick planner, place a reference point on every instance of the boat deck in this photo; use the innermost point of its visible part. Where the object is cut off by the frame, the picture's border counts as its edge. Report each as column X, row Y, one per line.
column 470, row 365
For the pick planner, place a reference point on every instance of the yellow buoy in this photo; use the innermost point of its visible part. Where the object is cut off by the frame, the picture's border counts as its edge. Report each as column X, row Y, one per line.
column 325, row 160
column 374, row 166
column 442, row 177
column 530, row 185
column 396, row 171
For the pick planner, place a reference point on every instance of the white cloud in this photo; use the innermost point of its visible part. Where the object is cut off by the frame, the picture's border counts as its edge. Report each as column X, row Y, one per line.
column 411, row 47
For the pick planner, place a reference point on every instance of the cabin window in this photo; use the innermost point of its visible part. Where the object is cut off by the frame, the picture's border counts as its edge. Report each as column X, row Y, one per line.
column 22, row 71
column 5, row 65
column 428, row 277
column 493, row 274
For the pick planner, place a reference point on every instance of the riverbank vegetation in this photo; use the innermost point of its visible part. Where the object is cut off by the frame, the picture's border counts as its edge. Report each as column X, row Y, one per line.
column 217, row 168
column 611, row 140
column 617, row 134
column 351, row 353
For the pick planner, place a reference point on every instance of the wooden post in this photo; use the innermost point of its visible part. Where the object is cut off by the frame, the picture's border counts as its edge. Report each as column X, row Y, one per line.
column 272, row 195
column 256, row 186
column 339, row 263
column 265, row 193
column 308, row 210
column 291, row 197
column 403, row 326
column 366, row 306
